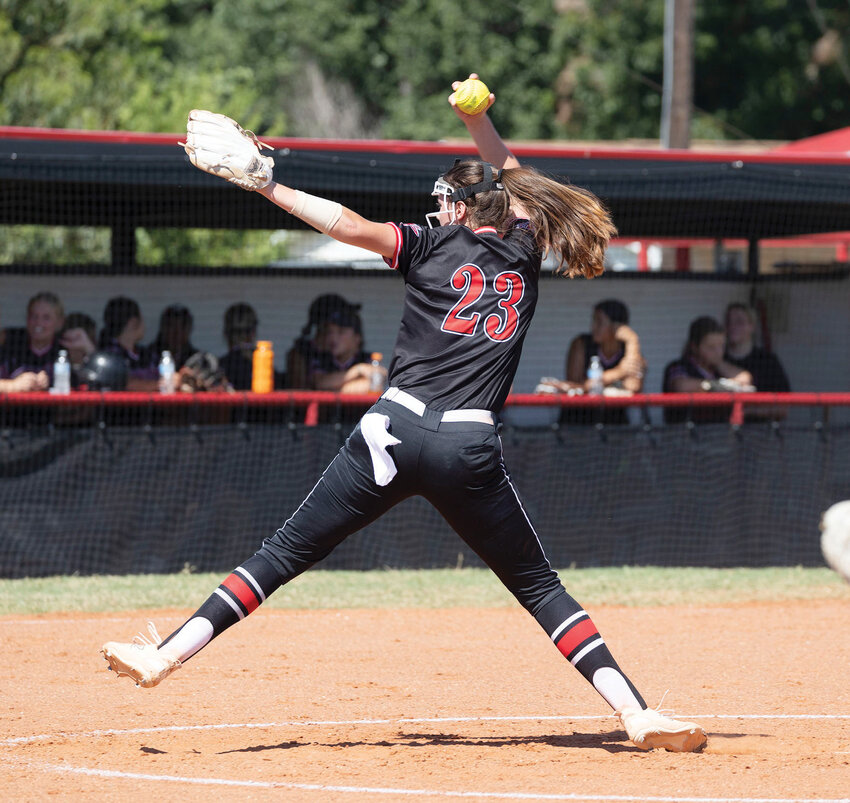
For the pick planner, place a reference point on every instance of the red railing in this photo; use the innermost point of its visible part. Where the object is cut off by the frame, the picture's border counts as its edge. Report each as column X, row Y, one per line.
column 313, row 401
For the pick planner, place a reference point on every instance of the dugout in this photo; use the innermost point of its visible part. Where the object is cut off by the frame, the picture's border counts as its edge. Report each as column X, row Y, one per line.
column 677, row 497
column 754, row 227
column 127, row 181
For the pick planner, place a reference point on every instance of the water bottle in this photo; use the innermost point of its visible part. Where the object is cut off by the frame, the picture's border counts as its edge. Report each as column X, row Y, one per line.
column 262, row 368
column 377, row 379
column 594, row 376
column 166, row 373
column 62, row 374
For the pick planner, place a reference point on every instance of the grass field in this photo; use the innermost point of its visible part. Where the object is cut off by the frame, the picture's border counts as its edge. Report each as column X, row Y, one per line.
column 435, row 588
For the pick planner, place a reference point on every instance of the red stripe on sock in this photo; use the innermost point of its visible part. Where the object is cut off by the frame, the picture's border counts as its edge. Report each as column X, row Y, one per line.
column 578, row 633
column 243, row 591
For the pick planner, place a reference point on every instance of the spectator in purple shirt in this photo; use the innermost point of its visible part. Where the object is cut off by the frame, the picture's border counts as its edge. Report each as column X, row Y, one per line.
column 78, row 337
column 122, row 333
column 310, row 346
column 700, row 368
column 174, row 335
column 27, row 356
column 345, row 366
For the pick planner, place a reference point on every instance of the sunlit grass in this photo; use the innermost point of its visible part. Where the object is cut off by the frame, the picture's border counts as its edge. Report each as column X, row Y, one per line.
column 434, row 588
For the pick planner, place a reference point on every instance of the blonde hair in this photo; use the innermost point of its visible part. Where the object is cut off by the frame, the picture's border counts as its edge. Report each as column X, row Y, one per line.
column 745, row 308
column 47, row 298
column 569, row 221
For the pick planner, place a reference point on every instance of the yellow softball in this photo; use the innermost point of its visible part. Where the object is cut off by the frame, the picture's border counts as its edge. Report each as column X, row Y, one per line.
column 471, row 96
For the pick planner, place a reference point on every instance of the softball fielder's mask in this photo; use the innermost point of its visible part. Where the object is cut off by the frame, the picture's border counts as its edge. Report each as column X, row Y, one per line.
column 445, row 191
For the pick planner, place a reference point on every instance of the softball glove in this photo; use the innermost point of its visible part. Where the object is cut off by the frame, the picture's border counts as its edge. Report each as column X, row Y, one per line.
column 220, row 146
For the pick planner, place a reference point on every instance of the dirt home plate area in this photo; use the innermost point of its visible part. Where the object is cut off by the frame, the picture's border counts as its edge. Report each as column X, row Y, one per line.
column 429, row 705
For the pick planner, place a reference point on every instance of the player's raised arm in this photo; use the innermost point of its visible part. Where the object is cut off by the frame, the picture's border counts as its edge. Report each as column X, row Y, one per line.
column 490, row 146
column 218, row 145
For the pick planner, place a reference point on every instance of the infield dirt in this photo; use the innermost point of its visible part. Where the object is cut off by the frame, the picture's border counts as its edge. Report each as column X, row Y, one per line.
column 425, row 705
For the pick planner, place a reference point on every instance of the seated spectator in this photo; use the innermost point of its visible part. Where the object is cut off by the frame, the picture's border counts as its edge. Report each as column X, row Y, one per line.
column 310, row 343
column 122, row 333
column 618, row 348
column 240, row 332
column 175, row 331
column 78, row 337
column 27, row 357
column 700, row 368
column 344, row 367
column 764, row 366
column 17, row 385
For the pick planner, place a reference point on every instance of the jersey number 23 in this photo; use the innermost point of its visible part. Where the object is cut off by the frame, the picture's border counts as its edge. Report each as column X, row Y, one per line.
column 463, row 319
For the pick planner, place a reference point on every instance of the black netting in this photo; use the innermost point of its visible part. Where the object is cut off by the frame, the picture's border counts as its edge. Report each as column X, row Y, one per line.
column 148, row 488
column 136, row 499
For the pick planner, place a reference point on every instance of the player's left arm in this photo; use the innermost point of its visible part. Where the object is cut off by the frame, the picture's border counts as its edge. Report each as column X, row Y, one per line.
column 218, row 145
column 333, row 219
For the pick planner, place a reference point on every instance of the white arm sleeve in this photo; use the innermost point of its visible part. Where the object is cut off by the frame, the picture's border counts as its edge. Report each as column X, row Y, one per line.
column 320, row 213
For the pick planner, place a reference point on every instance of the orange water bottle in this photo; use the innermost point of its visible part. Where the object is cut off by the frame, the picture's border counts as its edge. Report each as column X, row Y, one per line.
column 377, row 377
column 262, row 376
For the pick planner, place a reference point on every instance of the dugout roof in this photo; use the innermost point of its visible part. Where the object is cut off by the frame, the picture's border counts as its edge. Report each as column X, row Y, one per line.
column 130, row 180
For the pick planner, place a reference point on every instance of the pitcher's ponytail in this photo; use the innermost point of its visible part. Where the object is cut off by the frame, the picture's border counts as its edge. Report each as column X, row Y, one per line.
column 570, row 221
column 567, row 220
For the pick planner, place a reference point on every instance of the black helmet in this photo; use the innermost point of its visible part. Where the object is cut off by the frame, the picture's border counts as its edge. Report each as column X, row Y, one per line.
column 104, row 370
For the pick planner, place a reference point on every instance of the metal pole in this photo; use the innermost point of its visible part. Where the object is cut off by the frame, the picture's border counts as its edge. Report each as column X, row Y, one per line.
column 677, row 90
column 753, row 257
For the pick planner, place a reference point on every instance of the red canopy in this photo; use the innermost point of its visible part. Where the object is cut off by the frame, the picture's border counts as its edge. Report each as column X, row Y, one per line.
column 835, row 142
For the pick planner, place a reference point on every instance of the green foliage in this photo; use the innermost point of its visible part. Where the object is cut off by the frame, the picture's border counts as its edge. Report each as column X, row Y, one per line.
column 209, row 247
column 771, row 73
column 576, row 69
column 351, row 68
column 54, row 245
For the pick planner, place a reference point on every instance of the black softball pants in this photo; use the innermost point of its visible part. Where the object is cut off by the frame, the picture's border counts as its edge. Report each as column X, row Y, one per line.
column 457, row 467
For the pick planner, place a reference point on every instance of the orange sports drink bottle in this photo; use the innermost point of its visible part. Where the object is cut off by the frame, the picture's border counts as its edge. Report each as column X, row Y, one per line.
column 377, row 383
column 262, row 375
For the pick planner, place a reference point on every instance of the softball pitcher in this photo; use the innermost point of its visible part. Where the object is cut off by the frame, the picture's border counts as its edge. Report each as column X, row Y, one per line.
column 471, row 288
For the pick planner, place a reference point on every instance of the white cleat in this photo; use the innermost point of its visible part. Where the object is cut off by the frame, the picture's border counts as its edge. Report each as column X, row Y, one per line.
column 140, row 659
column 649, row 730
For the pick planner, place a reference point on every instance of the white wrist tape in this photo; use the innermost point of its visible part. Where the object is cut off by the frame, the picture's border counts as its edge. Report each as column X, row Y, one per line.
column 320, row 213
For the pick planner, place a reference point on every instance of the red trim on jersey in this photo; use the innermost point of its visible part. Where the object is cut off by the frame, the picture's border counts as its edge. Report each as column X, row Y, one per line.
column 486, row 230
column 244, row 593
column 578, row 633
column 393, row 261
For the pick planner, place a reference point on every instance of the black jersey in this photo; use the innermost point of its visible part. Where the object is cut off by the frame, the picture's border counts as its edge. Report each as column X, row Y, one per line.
column 469, row 300
column 17, row 357
column 767, row 372
column 686, row 367
column 596, row 415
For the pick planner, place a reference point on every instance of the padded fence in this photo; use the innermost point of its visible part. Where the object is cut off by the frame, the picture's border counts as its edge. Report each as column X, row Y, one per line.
column 158, row 496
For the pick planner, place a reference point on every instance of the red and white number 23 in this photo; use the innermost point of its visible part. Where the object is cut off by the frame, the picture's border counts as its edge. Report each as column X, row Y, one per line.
column 470, row 282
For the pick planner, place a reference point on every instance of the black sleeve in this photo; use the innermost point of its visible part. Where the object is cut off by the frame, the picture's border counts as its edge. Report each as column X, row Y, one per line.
column 775, row 379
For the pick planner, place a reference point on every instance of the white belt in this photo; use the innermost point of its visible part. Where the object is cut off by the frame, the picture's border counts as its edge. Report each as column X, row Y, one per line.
column 414, row 405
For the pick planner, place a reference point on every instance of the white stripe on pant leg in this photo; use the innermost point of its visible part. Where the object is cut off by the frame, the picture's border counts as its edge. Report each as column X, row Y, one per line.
column 252, row 581
column 565, row 624
column 231, row 603
column 519, row 501
column 304, row 500
column 592, row 646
